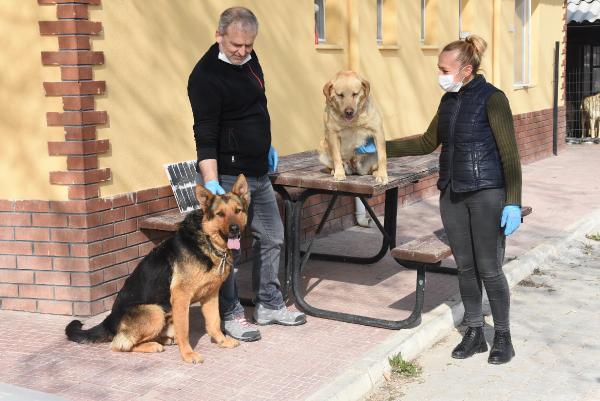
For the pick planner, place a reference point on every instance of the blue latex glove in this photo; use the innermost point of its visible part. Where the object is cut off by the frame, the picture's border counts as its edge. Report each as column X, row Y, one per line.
column 273, row 160
column 214, row 187
column 511, row 219
column 368, row 147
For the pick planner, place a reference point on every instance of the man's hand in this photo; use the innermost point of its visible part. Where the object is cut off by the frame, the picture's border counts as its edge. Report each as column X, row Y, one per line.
column 214, row 187
column 511, row 219
column 273, row 159
column 368, row 147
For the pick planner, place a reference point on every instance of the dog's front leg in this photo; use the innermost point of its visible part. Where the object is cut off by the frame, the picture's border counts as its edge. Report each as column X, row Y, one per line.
column 212, row 322
column 180, row 301
column 335, row 146
column 381, row 175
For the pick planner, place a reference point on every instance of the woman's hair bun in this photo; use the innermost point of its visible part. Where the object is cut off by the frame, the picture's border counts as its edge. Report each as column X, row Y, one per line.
column 478, row 43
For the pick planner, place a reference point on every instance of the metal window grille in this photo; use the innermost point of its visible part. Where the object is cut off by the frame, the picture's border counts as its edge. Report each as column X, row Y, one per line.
column 319, row 21
column 522, row 42
column 423, row 7
column 379, row 22
column 582, row 94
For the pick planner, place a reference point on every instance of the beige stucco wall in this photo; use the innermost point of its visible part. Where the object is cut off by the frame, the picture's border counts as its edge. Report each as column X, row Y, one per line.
column 150, row 48
column 24, row 136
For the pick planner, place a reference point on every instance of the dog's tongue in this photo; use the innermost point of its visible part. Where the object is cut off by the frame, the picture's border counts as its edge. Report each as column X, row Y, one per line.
column 233, row 243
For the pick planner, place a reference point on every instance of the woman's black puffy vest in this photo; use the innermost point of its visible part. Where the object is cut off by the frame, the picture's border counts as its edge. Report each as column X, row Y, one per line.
column 469, row 160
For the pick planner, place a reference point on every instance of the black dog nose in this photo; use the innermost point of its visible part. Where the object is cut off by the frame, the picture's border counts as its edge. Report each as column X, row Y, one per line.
column 234, row 230
column 349, row 113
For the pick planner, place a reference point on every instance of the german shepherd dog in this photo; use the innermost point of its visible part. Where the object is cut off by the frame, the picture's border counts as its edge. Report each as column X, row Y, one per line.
column 152, row 308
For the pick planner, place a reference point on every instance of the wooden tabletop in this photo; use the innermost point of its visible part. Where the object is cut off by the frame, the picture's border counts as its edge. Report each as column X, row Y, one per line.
column 303, row 170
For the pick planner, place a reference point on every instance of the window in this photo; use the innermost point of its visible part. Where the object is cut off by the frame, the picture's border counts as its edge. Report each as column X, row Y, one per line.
column 423, row 7
column 522, row 42
column 379, row 22
column 319, row 21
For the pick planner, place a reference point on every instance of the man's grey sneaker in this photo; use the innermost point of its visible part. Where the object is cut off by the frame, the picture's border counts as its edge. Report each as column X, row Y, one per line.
column 240, row 329
column 263, row 316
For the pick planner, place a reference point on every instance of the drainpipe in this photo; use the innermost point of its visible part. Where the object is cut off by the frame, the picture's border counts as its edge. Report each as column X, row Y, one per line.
column 353, row 29
column 363, row 219
column 360, row 213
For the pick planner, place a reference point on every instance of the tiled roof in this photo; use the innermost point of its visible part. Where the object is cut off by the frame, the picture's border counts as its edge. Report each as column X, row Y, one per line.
column 583, row 10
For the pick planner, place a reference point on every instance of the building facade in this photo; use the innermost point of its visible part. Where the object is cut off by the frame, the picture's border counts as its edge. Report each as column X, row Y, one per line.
column 93, row 103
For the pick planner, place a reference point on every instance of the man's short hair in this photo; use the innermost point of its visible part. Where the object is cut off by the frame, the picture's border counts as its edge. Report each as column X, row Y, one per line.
column 238, row 15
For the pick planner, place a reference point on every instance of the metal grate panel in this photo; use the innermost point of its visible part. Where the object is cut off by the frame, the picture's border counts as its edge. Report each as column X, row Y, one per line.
column 183, row 178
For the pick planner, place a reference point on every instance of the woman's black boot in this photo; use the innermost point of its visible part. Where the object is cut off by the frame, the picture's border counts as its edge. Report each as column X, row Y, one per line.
column 502, row 350
column 472, row 342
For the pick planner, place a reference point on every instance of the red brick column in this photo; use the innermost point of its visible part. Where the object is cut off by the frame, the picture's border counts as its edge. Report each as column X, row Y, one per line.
column 77, row 89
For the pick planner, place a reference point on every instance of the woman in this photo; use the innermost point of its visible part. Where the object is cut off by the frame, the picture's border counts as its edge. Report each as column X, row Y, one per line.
column 480, row 184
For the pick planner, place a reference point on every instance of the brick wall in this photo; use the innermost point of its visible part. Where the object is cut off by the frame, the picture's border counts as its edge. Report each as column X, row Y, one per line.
column 71, row 257
column 77, row 88
column 534, row 134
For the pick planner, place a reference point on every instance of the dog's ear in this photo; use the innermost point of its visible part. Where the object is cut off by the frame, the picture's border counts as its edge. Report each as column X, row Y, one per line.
column 204, row 197
column 366, row 86
column 327, row 89
column 240, row 188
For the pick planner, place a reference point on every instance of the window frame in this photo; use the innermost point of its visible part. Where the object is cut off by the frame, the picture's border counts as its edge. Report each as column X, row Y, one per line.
column 423, row 35
column 379, row 37
column 320, row 18
column 462, row 35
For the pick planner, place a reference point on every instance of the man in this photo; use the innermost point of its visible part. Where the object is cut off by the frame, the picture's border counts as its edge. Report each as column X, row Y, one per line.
column 232, row 129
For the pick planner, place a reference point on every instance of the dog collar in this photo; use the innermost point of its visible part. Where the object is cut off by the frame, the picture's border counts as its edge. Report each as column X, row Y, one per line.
column 220, row 254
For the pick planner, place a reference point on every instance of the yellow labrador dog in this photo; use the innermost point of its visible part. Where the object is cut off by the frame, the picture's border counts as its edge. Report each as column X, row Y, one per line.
column 351, row 118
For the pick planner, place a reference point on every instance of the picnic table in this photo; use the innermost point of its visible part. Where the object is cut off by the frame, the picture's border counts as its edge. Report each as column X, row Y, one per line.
column 301, row 176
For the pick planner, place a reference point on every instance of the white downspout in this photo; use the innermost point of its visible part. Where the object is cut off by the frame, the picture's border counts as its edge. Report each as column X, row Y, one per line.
column 362, row 217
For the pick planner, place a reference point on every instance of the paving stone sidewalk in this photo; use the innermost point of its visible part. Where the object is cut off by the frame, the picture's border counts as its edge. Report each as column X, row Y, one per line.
column 555, row 326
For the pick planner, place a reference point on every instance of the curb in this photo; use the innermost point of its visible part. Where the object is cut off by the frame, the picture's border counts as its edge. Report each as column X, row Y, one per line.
column 365, row 375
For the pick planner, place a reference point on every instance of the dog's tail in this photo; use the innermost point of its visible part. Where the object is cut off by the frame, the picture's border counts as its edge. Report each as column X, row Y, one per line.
column 97, row 334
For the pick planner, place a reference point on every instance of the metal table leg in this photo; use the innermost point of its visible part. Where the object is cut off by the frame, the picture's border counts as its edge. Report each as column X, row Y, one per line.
column 298, row 261
column 388, row 230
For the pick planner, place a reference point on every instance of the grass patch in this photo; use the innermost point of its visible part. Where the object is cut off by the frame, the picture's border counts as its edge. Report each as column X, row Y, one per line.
column 538, row 272
column 593, row 237
column 587, row 248
column 403, row 368
column 528, row 282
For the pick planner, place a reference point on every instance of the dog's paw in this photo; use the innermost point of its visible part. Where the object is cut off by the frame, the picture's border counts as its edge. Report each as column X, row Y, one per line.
column 339, row 176
column 229, row 342
column 381, row 179
column 192, row 357
column 168, row 341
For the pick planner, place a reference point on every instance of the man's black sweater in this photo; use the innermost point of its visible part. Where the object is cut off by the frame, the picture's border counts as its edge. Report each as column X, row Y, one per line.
column 231, row 121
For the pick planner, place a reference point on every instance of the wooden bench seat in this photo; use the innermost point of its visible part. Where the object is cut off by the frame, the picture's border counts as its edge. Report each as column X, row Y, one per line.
column 166, row 221
column 430, row 249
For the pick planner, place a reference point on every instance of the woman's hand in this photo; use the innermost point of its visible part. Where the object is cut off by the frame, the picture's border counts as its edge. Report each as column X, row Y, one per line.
column 511, row 219
column 368, row 147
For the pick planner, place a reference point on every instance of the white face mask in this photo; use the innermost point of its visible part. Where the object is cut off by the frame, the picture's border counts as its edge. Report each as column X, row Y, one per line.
column 447, row 82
